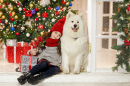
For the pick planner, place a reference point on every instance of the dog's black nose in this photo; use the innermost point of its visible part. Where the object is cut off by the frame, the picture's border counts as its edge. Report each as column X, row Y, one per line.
column 75, row 25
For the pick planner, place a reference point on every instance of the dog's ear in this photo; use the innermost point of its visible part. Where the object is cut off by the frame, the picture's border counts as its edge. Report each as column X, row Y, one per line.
column 81, row 15
column 69, row 15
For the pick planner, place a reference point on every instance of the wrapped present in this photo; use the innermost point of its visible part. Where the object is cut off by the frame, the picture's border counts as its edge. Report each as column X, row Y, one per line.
column 14, row 53
column 27, row 62
column 22, row 44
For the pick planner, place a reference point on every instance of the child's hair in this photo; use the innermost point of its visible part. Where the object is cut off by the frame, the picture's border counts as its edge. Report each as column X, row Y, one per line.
column 48, row 35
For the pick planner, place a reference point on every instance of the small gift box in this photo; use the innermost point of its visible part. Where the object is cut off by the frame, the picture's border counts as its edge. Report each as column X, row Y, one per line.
column 27, row 62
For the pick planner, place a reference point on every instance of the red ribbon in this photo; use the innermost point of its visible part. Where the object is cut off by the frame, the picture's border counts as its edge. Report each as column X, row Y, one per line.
column 30, row 62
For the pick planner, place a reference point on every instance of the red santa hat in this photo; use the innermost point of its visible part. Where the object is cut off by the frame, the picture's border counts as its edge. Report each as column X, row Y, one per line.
column 58, row 26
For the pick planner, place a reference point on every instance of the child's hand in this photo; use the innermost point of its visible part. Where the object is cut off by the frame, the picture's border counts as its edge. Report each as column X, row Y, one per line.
column 33, row 52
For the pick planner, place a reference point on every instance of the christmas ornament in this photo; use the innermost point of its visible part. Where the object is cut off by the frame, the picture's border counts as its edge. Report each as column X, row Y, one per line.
column 16, row 17
column 52, row 15
column 13, row 13
column 1, row 13
column 44, row 15
column 38, row 14
column 17, row 26
column 27, row 34
column 23, row 16
column 3, row 17
column 2, row 26
column 22, row 28
column 43, row 3
column 54, row 0
column 63, row 1
column 10, row 14
column 128, row 9
column 49, row 8
column 31, row 5
column 6, row 21
column 17, row 33
column 3, row 5
column 36, row 9
column 35, row 39
column 7, row 3
column 36, row 19
column 0, row 20
column 57, row 13
column 24, row 9
column 1, row 1
column 40, row 26
column 18, row 4
column 28, row 13
column 0, row 6
column 11, row 8
column 12, row 29
column 57, row 8
column 33, row 11
column 20, row 8
column 67, row 3
column 12, row 19
column 70, row 4
column 53, row 20
column 41, row 33
column 14, row 23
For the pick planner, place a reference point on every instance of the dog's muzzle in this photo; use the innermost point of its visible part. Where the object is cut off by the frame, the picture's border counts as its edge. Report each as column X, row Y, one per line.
column 75, row 28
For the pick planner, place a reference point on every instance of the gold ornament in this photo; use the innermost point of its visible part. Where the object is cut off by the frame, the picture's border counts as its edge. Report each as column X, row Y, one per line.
column 1, row 1
column 31, row 5
column 1, row 13
column 41, row 33
column 35, row 39
column 3, row 17
column 6, row 21
column 16, row 17
column 38, row 14
column 13, row 13
column 11, row 8
column 3, row 5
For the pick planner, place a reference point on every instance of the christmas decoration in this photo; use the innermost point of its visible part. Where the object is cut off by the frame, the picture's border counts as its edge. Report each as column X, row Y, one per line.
column 17, row 33
column 44, row 15
column 27, row 34
column 28, row 13
column 123, row 23
column 40, row 26
column 44, row 2
column 12, row 29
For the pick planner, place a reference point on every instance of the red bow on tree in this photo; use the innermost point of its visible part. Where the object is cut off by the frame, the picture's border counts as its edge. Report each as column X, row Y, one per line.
column 128, row 9
column 127, row 42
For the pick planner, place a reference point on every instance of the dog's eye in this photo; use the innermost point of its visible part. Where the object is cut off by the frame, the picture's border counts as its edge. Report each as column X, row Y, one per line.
column 77, row 21
column 72, row 21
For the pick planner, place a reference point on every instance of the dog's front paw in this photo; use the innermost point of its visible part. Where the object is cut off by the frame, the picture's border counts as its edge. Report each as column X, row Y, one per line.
column 76, row 71
column 66, row 71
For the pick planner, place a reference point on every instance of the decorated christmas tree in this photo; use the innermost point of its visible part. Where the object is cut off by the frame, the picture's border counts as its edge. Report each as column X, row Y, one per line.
column 122, row 18
column 26, row 20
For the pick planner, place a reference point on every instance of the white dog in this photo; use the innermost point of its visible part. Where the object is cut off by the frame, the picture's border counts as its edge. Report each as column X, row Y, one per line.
column 74, row 44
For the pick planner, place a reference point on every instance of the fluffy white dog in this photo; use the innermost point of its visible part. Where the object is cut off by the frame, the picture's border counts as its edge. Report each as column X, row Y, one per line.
column 74, row 44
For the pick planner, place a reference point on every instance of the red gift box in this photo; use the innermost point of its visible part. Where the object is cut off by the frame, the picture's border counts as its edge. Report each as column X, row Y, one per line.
column 14, row 53
column 22, row 44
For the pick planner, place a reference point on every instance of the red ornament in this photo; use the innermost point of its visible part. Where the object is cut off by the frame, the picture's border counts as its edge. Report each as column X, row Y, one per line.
column 17, row 33
column 45, row 15
column 17, row 26
column 49, row 8
column 40, row 26
column 61, row 9
column 10, row 14
column 36, row 9
column 0, row 6
column 18, row 4
column 24, row 9
column 0, row 20
column 63, row 1
column 28, row 13
column 57, row 12
column 36, row 19
column 12, row 19
column 7, row 3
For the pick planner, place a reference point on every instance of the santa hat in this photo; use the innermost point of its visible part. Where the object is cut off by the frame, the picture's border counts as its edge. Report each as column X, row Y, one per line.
column 58, row 26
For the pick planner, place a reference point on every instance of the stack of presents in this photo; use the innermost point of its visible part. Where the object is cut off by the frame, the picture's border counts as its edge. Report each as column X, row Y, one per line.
column 18, row 54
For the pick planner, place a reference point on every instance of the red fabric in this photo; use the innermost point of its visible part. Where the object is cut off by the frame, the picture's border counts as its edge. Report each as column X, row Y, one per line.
column 51, row 42
column 30, row 62
column 58, row 26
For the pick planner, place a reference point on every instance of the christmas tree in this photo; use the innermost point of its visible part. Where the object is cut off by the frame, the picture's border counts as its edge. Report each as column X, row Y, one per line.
column 25, row 20
column 122, row 18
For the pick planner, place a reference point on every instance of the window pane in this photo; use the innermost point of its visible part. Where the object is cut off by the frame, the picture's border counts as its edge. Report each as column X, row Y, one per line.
column 105, row 24
column 105, row 43
column 115, row 7
column 106, row 7
column 114, row 42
